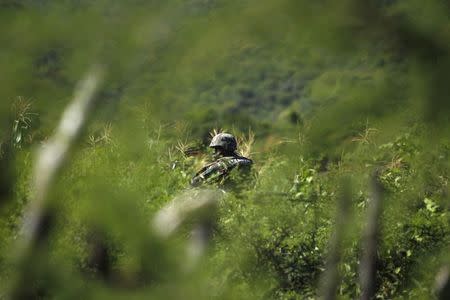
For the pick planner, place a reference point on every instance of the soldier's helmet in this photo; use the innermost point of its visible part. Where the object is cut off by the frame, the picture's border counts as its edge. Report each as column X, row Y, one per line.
column 225, row 141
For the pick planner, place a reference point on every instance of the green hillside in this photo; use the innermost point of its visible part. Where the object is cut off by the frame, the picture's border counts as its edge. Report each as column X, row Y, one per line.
column 342, row 105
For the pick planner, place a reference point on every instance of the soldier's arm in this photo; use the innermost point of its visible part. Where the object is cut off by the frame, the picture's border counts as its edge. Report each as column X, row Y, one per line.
column 209, row 173
column 241, row 162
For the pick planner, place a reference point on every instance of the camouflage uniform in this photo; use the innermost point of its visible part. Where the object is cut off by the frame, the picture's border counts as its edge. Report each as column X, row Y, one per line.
column 220, row 171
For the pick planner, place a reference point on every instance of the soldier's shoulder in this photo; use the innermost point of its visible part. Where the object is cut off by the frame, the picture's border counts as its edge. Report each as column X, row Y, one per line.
column 237, row 161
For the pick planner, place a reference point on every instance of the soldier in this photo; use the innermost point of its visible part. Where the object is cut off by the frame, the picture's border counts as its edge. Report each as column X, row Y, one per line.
column 226, row 160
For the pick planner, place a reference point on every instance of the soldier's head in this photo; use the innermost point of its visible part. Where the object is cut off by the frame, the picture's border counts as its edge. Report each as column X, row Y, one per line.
column 224, row 144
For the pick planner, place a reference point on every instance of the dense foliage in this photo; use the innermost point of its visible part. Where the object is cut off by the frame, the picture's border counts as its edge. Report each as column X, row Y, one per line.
column 321, row 95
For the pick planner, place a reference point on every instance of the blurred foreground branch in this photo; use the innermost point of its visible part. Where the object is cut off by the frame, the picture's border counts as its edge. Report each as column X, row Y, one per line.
column 50, row 160
column 442, row 285
column 330, row 278
column 195, row 206
column 368, row 265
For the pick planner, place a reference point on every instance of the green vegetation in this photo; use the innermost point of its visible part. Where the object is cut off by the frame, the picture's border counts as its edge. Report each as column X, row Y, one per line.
column 325, row 96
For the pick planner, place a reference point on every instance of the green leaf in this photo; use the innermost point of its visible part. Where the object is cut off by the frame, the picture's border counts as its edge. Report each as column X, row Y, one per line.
column 430, row 205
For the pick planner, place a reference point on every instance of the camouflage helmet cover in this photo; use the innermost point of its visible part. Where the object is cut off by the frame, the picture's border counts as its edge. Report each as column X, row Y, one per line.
column 224, row 140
